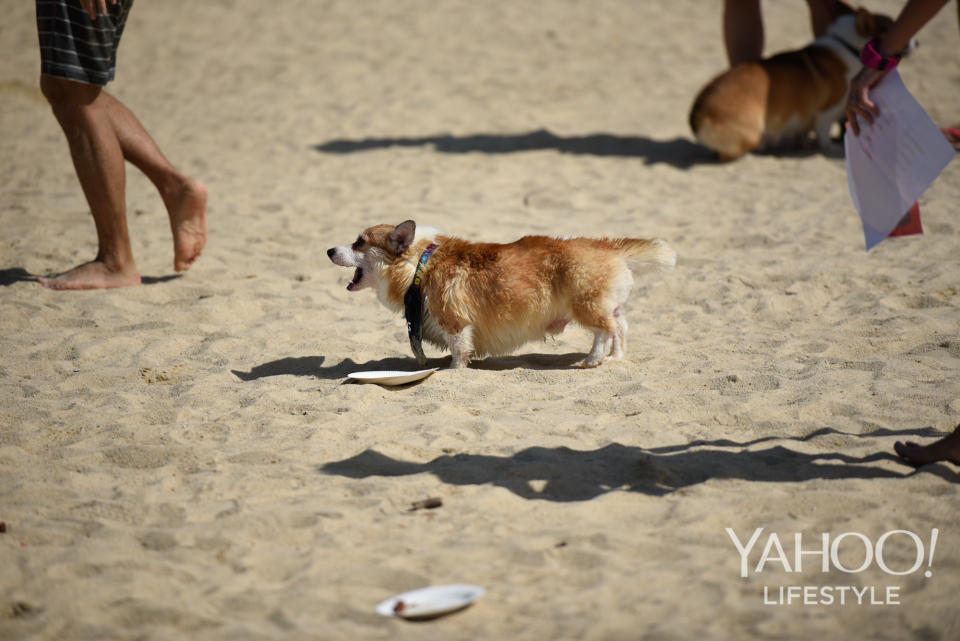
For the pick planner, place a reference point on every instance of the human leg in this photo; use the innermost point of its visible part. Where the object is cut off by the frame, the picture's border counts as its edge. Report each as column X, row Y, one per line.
column 184, row 198
column 99, row 164
column 742, row 30
column 78, row 57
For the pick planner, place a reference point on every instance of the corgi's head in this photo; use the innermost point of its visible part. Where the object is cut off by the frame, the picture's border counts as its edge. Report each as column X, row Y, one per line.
column 376, row 249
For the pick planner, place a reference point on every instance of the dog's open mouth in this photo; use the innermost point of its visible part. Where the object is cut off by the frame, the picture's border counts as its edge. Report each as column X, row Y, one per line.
column 357, row 275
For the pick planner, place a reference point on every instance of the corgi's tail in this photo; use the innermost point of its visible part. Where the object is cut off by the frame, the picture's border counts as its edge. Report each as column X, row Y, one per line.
column 641, row 252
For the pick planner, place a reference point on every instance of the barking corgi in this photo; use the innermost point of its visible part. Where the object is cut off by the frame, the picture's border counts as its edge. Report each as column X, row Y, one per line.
column 489, row 299
column 778, row 101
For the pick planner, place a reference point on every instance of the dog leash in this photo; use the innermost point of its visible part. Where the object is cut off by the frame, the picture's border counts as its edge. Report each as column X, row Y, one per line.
column 413, row 307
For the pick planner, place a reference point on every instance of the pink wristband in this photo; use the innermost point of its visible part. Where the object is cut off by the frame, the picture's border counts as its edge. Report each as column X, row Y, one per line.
column 872, row 59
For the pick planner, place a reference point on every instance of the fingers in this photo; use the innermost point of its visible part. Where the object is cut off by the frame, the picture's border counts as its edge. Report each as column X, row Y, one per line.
column 858, row 99
column 859, row 104
column 90, row 8
column 96, row 8
column 852, row 117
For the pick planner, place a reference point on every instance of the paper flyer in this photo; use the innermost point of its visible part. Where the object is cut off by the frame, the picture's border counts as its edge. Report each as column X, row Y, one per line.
column 894, row 160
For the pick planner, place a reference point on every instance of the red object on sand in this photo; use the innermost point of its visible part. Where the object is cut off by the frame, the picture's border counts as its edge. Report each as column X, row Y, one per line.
column 909, row 224
column 953, row 135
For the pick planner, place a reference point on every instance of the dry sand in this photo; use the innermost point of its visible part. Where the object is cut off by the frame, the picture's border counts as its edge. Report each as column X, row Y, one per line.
column 185, row 459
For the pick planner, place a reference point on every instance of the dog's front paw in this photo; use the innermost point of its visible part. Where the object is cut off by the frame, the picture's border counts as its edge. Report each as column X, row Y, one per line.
column 592, row 362
column 459, row 362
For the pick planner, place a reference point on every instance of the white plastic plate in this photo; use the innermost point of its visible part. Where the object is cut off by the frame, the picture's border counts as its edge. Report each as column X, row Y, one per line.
column 431, row 601
column 387, row 377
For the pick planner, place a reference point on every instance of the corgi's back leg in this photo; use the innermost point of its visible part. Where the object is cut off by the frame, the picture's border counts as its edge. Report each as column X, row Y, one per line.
column 600, row 340
column 606, row 316
column 605, row 332
column 619, row 346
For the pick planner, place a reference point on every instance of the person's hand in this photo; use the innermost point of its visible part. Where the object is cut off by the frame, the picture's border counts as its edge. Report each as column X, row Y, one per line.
column 96, row 8
column 858, row 98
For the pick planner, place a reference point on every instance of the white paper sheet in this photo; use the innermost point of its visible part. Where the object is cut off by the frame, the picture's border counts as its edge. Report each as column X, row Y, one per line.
column 893, row 161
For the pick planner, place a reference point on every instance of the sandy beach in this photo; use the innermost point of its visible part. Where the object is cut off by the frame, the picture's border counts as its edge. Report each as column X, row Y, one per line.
column 187, row 460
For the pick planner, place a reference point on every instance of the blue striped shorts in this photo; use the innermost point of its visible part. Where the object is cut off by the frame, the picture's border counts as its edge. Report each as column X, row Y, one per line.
column 73, row 46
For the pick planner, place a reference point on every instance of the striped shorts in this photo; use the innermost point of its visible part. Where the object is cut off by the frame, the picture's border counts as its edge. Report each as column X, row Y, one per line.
column 73, row 46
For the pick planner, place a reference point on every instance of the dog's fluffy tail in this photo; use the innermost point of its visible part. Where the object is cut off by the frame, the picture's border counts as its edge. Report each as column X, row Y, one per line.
column 642, row 253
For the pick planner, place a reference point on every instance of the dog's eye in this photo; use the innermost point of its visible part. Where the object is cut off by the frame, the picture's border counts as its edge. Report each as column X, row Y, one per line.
column 358, row 243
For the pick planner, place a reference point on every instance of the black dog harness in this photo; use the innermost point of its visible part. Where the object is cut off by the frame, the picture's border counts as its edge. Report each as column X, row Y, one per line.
column 413, row 307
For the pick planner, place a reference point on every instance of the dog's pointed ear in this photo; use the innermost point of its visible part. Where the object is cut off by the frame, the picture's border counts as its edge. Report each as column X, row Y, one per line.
column 402, row 236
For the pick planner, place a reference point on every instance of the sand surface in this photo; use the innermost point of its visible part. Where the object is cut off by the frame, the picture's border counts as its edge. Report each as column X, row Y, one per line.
column 185, row 460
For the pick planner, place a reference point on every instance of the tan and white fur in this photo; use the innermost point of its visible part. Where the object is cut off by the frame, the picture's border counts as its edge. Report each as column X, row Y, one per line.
column 489, row 299
column 776, row 102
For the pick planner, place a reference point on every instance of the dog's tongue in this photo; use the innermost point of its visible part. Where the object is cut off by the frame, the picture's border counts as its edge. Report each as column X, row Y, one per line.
column 357, row 275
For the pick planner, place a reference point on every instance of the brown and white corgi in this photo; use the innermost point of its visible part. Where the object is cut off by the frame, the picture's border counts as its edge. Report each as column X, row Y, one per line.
column 489, row 299
column 776, row 102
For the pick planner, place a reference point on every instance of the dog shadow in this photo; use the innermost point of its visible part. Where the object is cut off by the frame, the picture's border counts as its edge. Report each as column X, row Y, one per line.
column 679, row 152
column 530, row 361
column 803, row 151
column 314, row 365
column 293, row 366
column 562, row 474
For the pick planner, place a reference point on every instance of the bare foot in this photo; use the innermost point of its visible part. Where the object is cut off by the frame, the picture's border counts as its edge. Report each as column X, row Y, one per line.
column 187, row 209
column 946, row 449
column 93, row 275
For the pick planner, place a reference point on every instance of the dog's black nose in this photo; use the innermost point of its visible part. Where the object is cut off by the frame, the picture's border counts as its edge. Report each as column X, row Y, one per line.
column 330, row 251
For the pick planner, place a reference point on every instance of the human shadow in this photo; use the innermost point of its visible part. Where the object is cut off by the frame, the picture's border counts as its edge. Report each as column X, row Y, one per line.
column 313, row 365
column 823, row 431
column 563, row 474
column 679, row 152
column 156, row 280
column 13, row 275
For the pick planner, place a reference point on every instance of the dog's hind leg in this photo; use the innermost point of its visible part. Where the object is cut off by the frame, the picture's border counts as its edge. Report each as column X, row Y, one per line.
column 604, row 332
column 595, row 357
column 461, row 346
column 598, row 317
column 619, row 346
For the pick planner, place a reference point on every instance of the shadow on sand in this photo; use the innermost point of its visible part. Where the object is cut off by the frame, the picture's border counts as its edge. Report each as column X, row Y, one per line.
column 14, row 275
column 575, row 475
column 313, row 365
column 679, row 152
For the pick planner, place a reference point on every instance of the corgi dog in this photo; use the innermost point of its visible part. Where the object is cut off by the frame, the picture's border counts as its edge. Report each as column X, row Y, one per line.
column 778, row 101
column 479, row 299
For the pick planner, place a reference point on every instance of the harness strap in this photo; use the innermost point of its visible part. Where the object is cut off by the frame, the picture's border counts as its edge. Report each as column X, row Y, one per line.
column 413, row 307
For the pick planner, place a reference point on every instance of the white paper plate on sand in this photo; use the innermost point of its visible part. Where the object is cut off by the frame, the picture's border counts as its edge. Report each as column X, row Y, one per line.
column 386, row 377
column 430, row 602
